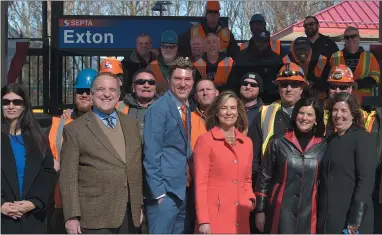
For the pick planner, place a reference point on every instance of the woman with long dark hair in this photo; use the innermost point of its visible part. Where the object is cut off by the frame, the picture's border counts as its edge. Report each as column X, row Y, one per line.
column 347, row 171
column 286, row 188
column 27, row 174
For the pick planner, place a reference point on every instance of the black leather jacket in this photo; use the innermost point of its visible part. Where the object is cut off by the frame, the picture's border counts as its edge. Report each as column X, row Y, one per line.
column 286, row 188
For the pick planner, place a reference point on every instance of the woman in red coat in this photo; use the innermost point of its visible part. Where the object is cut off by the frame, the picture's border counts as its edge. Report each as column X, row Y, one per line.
column 223, row 169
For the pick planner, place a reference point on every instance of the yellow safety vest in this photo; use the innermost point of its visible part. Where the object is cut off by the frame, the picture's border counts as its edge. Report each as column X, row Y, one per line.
column 370, row 121
column 268, row 114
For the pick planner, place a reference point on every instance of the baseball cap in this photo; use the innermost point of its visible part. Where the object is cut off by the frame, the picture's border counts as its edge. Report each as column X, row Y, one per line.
column 301, row 43
column 257, row 17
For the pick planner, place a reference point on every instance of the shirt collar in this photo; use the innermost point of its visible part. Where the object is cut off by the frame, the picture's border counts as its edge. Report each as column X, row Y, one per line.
column 102, row 115
column 178, row 103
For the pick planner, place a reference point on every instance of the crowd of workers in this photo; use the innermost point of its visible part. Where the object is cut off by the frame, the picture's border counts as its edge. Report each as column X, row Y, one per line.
column 206, row 136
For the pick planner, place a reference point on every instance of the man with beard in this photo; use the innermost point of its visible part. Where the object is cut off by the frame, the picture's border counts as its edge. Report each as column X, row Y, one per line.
column 301, row 54
column 251, row 87
column 321, row 44
column 83, row 105
column 138, row 59
column 198, row 46
column 228, row 42
column 137, row 103
column 256, row 24
column 161, row 66
column 362, row 63
column 258, row 58
column 214, row 65
column 205, row 93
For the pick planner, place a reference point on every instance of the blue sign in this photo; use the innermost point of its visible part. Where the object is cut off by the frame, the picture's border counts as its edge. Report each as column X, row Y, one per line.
column 117, row 33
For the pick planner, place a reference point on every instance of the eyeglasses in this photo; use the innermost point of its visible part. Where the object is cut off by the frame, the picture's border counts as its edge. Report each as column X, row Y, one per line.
column 80, row 91
column 143, row 82
column 213, row 12
column 16, row 102
column 347, row 37
column 169, row 46
column 309, row 24
column 293, row 84
column 341, row 87
column 252, row 84
column 289, row 73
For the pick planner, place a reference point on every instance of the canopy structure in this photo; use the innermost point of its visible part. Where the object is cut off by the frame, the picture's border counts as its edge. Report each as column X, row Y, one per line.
column 333, row 21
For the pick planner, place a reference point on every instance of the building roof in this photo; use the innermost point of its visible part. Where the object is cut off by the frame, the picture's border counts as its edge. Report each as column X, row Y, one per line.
column 333, row 21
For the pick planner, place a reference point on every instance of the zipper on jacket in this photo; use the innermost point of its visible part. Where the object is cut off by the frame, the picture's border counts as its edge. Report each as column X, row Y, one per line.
column 299, row 199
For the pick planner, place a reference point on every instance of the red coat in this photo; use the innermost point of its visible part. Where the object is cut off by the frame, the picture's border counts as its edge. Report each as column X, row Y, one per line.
column 223, row 184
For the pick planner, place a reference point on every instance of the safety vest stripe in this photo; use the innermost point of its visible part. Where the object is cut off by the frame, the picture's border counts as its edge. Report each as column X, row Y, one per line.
column 267, row 121
column 365, row 57
column 337, row 58
column 60, row 129
column 195, row 31
column 122, row 107
column 226, row 66
column 287, row 59
column 203, row 70
column 320, row 63
column 370, row 121
column 375, row 75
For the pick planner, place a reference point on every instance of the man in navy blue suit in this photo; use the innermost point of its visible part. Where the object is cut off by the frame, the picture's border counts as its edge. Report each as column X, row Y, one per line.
column 167, row 151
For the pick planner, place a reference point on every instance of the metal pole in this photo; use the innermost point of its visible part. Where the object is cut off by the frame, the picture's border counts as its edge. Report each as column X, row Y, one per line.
column 4, row 42
column 45, row 60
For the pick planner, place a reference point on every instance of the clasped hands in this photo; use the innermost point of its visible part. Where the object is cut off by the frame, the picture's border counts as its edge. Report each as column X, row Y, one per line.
column 17, row 209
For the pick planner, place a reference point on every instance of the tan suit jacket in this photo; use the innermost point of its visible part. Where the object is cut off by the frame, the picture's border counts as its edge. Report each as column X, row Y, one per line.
column 95, row 183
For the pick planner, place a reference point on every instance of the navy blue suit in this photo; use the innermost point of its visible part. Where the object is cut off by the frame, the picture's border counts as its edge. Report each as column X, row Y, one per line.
column 166, row 153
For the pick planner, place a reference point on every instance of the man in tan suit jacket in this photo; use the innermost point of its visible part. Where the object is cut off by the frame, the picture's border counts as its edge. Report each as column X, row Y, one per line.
column 101, row 168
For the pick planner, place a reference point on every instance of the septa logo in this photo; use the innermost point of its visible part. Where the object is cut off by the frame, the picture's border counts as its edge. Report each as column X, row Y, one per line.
column 66, row 22
column 108, row 65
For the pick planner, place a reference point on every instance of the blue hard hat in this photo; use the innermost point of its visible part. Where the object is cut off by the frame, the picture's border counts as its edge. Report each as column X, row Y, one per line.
column 169, row 37
column 257, row 17
column 85, row 78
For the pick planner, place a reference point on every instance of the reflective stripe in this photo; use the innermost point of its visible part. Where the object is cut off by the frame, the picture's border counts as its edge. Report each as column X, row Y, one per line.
column 365, row 64
column 337, row 57
column 320, row 62
column 286, row 59
column 60, row 129
column 268, row 115
column 195, row 30
column 122, row 107
column 203, row 70
column 370, row 121
column 226, row 66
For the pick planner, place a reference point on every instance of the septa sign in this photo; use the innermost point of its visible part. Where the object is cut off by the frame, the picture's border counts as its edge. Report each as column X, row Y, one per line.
column 116, row 32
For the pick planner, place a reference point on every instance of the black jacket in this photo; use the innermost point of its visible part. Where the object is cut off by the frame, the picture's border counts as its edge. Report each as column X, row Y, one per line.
column 130, row 65
column 323, row 46
column 185, row 48
column 347, row 182
column 287, row 184
column 39, row 181
column 253, row 111
column 266, row 64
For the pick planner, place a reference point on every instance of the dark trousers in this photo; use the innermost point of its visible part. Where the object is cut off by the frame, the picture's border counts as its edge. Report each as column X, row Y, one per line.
column 127, row 226
column 167, row 217
column 377, row 218
column 56, row 224
column 190, row 213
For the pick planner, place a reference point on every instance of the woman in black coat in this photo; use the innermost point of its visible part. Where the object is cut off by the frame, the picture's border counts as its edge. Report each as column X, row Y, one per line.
column 347, row 173
column 27, row 174
column 286, row 188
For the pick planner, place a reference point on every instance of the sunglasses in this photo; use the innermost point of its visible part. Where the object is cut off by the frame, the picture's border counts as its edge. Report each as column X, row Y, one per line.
column 293, row 84
column 341, row 87
column 16, row 102
column 143, row 82
column 169, row 47
column 252, row 84
column 213, row 12
column 309, row 24
column 347, row 37
column 80, row 91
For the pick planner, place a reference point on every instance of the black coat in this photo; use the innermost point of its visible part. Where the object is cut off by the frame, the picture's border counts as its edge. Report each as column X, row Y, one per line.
column 286, row 188
column 347, row 182
column 39, row 181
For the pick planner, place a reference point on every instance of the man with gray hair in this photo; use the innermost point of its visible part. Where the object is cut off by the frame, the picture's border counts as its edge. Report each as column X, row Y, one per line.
column 101, row 173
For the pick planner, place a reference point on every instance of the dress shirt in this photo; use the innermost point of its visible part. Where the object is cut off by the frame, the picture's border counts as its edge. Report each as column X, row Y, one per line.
column 102, row 116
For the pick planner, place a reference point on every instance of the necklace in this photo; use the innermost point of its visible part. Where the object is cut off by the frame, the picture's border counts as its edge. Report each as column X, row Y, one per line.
column 231, row 140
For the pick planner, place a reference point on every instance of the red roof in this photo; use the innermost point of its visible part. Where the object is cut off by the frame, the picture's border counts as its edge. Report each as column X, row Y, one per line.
column 333, row 20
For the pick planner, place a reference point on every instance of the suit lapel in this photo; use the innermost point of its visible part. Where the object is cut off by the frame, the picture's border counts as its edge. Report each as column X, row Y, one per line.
column 32, row 163
column 126, row 133
column 175, row 112
column 99, row 134
column 8, row 165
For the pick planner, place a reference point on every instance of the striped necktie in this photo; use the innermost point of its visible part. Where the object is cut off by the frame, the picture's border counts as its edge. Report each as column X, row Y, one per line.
column 109, row 121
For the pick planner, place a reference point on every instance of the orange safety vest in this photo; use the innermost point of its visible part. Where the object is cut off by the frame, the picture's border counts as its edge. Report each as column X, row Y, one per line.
column 319, row 67
column 367, row 67
column 224, row 34
column 160, row 79
column 55, row 142
column 275, row 45
column 122, row 107
column 222, row 73
column 198, row 127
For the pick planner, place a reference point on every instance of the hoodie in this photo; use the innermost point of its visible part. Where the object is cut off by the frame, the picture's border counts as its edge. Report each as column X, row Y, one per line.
column 136, row 110
column 253, row 111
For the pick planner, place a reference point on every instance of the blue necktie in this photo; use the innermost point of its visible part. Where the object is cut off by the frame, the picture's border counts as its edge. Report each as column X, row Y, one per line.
column 109, row 121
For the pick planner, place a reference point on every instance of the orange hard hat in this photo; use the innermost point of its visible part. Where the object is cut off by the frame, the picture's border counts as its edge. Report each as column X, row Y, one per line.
column 213, row 6
column 111, row 65
column 291, row 72
column 341, row 74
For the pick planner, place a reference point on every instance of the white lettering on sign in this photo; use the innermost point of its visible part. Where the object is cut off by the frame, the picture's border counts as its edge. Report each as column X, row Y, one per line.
column 88, row 37
column 77, row 23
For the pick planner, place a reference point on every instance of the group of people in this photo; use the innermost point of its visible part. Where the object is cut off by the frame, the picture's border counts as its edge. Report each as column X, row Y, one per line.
column 202, row 144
